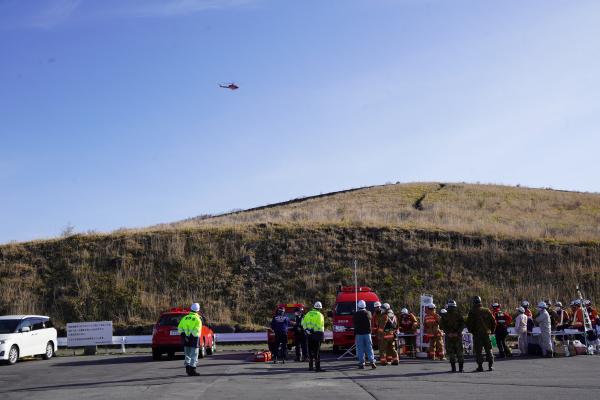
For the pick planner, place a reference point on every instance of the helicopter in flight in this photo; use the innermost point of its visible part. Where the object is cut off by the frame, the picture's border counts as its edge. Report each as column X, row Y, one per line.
column 230, row 86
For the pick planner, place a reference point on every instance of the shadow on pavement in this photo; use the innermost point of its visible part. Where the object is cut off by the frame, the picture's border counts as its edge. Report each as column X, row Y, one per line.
column 92, row 360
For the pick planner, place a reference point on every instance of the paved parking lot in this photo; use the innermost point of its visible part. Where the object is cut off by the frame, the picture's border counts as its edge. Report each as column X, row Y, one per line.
column 231, row 375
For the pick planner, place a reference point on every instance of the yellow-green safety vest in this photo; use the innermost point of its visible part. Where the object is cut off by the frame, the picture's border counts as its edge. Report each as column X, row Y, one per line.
column 190, row 325
column 314, row 321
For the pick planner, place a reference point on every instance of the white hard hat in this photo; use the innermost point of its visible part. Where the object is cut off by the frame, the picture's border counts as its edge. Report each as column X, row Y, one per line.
column 496, row 305
column 521, row 310
column 451, row 303
column 443, row 311
column 385, row 306
column 362, row 305
column 542, row 304
column 195, row 307
column 587, row 302
column 404, row 311
column 377, row 304
column 558, row 304
column 525, row 303
column 318, row 305
column 577, row 302
column 431, row 306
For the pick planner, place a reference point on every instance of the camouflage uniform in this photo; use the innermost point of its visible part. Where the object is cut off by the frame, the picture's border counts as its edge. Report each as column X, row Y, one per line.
column 481, row 324
column 452, row 324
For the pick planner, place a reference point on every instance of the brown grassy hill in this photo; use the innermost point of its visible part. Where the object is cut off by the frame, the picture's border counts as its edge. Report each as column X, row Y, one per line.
column 466, row 208
column 448, row 240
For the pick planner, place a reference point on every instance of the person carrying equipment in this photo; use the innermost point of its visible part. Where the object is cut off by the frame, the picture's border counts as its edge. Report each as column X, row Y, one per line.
column 362, row 335
column 543, row 321
column 481, row 324
column 314, row 325
column 521, row 329
column 453, row 323
column 300, row 336
column 189, row 328
column 279, row 325
column 408, row 325
column 432, row 328
column 503, row 320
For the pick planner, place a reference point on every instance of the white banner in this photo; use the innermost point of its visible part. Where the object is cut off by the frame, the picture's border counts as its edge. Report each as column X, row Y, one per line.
column 89, row 333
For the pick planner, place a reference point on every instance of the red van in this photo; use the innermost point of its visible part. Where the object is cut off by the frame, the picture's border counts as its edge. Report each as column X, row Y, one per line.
column 345, row 305
column 166, row 338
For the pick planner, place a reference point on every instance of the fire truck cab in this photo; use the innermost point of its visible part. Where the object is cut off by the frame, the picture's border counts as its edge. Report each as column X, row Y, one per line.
column 345, row 305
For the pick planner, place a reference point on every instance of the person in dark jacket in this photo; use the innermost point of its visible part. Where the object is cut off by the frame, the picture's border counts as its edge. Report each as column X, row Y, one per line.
column 279, row 325
column 453, row 323
column 362, row 335
column 481, row 324
column 300, row 340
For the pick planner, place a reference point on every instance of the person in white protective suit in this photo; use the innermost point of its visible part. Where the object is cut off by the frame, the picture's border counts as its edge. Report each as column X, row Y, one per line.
column 543, row 321
column 521, row 329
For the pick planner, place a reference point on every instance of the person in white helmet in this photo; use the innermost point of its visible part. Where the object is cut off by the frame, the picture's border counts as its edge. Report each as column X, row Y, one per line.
column 543, row 321
column 362, row 335
column 189, row 328
column 521, row 329
column 314, row 325
column 375, row 317
column 408, row 325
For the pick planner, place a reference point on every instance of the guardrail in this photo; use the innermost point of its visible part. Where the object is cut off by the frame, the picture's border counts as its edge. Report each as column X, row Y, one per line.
column 221, row 338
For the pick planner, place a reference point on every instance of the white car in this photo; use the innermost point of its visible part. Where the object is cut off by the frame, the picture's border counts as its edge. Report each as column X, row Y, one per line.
column 26, row 336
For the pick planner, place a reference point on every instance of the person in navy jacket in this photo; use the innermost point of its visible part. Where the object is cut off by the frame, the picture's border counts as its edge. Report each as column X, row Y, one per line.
column 279, row 325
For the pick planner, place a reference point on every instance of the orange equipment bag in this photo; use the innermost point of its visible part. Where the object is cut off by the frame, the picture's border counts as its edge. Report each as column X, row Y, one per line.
column 262, row 356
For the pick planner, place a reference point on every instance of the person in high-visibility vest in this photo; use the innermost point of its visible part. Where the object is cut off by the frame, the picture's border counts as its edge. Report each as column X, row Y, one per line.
column 314, row 325
column 189, row 328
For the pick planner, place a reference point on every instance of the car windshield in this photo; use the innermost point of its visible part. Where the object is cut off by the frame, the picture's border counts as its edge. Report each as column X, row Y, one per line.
column 347, row 308
column 9, row 325
column 170, row 319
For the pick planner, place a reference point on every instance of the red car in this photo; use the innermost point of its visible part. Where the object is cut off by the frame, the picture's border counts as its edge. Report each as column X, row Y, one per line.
column 166, row 338
column 290, row 310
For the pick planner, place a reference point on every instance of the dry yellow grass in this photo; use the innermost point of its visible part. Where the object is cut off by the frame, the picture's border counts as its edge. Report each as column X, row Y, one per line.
column 466, row 208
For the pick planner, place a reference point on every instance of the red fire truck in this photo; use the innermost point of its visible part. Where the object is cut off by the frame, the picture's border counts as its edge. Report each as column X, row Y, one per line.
column 345, row 305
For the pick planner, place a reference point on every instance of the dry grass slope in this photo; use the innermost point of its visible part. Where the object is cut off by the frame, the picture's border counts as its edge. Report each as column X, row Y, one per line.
column 466, row 208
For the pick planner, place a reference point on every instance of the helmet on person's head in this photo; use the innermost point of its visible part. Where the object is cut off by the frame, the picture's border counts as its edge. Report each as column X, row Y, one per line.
column 476, row 300
column 587, row 302
column 385, row 306
column 318, row 305
column 377, row 304
column 524, row 304
column 451, row 303
column 558, row 304
column 404, row 311
column 521, row 310
column 577, row 302
column 299, row 309
column 195, row 307
column 495, row 305
column 431, row 306
column 361, row 305
column 542, row 304
column 443, row 311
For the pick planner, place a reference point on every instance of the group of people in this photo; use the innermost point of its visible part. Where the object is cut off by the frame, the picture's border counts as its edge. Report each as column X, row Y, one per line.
column 449, row 324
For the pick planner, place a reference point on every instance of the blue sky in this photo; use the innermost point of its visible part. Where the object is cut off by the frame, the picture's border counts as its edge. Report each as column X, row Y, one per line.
column 111, row 115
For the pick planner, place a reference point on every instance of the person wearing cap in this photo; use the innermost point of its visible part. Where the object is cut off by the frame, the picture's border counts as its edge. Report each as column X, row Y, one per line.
column 280, row 324
column 481, row 324
column 388, row 353
column 300, row 336
column 503, row 320
column 314, row 325
column 577, row 319
column 431, row 324
column 453, row 323
column 521, row 329
column 189, row 328
column 544, row 323
column 408, row 325
column 362, row 335
column 562, row 316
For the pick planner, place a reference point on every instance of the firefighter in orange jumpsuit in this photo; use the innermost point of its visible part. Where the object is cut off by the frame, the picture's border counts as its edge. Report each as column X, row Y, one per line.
column 388, row 326
column 432, row 328
column 408, row 325
column 375, row 319
column 591, row 312
column 577, row 321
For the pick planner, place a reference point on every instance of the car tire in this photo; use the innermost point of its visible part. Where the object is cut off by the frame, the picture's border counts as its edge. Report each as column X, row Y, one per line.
column 211, row 350
column 13, row 355
column 156, row 354
column 49, row 351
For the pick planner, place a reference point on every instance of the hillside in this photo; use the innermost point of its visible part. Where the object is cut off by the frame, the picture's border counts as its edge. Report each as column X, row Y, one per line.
column 466, row 208
column 455, row 241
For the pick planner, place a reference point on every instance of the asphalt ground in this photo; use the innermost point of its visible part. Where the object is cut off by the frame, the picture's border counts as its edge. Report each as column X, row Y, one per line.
column 233, row 375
